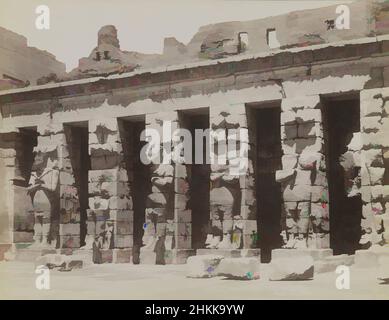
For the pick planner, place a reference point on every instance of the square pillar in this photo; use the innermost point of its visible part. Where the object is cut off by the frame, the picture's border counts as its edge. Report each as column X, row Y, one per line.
column 374, row 159
column 164, row 233
column 305, row 216
column 16, row 224
column 110, row 214
column 232, row 195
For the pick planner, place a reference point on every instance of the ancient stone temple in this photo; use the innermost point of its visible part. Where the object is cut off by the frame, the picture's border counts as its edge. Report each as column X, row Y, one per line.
column 309, row 100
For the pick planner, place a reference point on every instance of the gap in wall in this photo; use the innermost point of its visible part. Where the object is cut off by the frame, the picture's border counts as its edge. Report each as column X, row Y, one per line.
column 77, row 136
column 199, row 176
column 341, row 117
column 139, row 176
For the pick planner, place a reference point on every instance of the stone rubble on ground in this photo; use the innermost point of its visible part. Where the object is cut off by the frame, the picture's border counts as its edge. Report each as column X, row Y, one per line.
column 239, row 268
column 204, row 266
column 60, row 261
column 300, row 268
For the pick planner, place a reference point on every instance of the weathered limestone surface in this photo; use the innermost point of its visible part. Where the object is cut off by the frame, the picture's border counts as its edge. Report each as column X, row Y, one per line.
column 222, row 40
column 300, row 268
column 383, row 269
column 23, row 63
column 232, row 195
column 239, row 268
column 110, row 213
column 330, row 263
column 167, row 228
column 303, row 174
column 374, row 164
column 158, row 96
column 204, row 266
column 53, row 191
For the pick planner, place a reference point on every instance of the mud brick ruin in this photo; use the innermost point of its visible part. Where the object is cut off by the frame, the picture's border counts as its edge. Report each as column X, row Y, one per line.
column 313, row 99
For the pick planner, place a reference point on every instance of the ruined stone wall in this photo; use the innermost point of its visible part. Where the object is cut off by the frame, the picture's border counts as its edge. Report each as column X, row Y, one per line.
column 22, row 62
column 374, row 164
column 8, row 173
column 232, row 198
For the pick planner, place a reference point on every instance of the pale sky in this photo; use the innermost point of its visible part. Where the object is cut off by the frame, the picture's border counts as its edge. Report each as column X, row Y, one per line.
column 142, row 24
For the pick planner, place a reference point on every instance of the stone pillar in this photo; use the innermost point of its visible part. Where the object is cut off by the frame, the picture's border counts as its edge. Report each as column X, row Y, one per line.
column 232, row 195
column 69, row 228
column 53, row 191
column 161, row 225
column 11, row 220
column 375, row 166
column 303, row 175
column 110, row 214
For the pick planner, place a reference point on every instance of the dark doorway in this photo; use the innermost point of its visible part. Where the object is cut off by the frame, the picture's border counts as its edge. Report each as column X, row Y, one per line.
column 268, row 190
column 139, row 177
column 341, row 119
column 24, row 218
column 77, row 136
column 199, row 178
column 25, row 158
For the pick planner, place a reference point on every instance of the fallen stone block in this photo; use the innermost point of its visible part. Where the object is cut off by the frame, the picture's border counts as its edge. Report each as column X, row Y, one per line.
column 203, row 266
column 299, row 267
column 329, row 264
column 239, row 268
column 63, row 262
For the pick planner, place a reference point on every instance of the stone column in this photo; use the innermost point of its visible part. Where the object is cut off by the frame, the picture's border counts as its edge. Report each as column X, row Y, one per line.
column 15, row 225
column 44, row 187
column 53, row 191
column 375, row 166
column 161, row 225
column 110, row 213
column 303, row 175
column 69, row 228
column 232, row 195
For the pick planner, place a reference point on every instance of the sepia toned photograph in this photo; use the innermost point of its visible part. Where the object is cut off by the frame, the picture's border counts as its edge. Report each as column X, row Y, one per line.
column 197, row 150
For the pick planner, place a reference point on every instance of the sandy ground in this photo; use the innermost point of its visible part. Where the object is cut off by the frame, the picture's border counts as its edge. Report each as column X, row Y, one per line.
column 126, row 281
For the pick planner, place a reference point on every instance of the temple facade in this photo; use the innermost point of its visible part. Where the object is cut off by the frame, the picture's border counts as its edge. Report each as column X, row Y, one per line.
column 313, row 118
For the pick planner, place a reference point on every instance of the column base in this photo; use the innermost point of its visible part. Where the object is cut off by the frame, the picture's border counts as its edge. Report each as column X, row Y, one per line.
column 231, row 253
column 113, row 256
column 178, row 256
